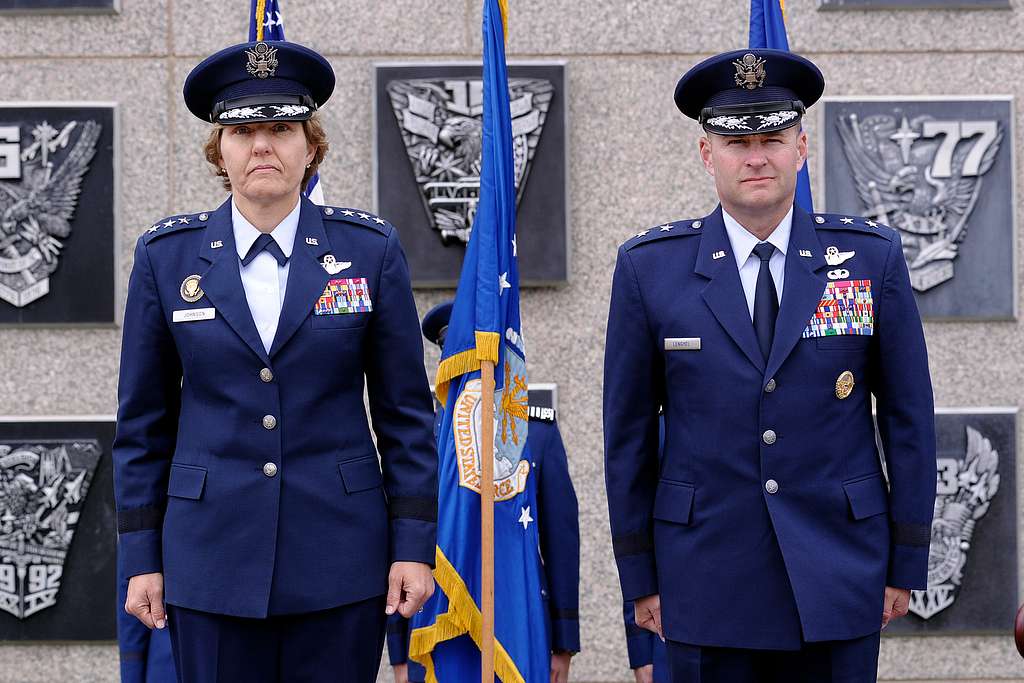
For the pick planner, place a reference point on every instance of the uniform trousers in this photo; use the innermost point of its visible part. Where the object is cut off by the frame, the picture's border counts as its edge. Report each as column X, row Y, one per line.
column 334, row 645
column 835, row 661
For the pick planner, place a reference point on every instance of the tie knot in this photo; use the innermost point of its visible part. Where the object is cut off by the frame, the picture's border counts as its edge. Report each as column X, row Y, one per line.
column 764, row 250
column 268, row 243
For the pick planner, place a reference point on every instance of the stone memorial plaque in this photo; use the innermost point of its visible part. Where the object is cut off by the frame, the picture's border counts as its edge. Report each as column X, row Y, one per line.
column 428, row 140
column 58, row 532
column 972, row 564
column 57, row 213
column 941, row 172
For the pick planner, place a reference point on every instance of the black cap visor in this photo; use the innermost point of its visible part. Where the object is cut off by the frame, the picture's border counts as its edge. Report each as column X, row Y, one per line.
column 263, row 108
column 752, row 119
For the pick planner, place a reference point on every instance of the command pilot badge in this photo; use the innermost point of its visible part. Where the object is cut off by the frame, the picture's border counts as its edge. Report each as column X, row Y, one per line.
column 750, row 73
column 262, row 61
column 190, row 289
column 333, row 266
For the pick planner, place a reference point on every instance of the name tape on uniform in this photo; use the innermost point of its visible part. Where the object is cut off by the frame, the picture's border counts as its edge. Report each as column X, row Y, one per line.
column 192, row 314
column 682, row 343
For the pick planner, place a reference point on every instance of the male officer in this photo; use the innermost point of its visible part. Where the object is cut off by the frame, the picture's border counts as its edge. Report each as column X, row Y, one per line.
column 248, row 486
column 769, row 545
column 559, row 535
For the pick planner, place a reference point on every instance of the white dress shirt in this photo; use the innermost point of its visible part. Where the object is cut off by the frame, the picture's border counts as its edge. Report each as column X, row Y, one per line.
column 748, row 263
column 263, row 280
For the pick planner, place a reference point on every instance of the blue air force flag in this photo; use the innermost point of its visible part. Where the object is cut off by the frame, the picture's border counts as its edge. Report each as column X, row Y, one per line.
column 485, row 325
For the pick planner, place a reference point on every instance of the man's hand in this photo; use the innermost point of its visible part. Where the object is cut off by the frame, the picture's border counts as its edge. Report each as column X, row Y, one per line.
column 560, row 667
column 647, row 613
column 410, row 584
column 644, row 674
column 401, row 672
column 897, row 602
column 145, row 599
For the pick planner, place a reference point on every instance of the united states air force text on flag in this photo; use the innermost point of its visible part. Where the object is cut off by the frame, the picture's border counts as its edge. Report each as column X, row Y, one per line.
column 485, row 326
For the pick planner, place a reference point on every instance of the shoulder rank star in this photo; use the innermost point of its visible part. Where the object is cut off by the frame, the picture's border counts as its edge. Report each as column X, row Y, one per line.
column 834, row 257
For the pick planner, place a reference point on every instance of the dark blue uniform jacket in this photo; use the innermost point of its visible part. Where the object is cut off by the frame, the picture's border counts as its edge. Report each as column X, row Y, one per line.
column 251, row 479
column 770, row 519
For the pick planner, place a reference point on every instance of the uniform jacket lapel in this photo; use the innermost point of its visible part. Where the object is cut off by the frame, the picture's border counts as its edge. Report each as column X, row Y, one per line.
column 222, row 281
column 802, row 290
column 724, row 293
column 307, row 278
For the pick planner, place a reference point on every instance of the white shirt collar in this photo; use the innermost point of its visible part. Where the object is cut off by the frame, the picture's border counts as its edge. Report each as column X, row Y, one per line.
column 246, row 233
column 743, row 241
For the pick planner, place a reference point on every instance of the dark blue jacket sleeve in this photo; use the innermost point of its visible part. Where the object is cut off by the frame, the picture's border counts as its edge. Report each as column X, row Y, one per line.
column 402, row 412
column 906, row 423
column 398, row 639
column 559, row 538
column 132, row 636
column 149, row 397
column 633, row 390
column 639, row 641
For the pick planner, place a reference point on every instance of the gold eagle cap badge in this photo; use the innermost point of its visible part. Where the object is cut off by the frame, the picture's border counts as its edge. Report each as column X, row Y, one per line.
column 750, row 71
column 262, row 61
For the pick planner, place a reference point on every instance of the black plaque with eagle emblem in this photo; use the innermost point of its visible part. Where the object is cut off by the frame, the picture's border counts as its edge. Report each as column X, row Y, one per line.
column 428, row 142
column 939, row 171
column 57, row 217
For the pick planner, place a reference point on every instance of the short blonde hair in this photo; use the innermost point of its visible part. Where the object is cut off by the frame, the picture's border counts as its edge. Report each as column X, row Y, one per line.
column 312, row 128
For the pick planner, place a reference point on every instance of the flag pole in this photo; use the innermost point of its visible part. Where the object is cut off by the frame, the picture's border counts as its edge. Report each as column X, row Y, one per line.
column 487, row 523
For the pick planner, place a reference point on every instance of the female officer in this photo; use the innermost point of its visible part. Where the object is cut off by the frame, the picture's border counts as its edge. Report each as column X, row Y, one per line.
column 249, row 495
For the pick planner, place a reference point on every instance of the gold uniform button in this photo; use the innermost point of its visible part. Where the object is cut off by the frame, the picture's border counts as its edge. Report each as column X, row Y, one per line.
column 269, row 421
column 770, row 387
column 266, row 375
column 768, row 437
column 771, row 486
column 270, row 469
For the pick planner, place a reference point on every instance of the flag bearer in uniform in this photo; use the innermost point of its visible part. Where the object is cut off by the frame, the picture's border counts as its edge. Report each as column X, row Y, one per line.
column 254, row 519
column 769, row 544
column 558, row 519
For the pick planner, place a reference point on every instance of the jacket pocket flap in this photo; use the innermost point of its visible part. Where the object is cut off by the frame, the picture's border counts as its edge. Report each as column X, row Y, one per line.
column 186, row 481
column 867, row 496
column 673, row 501
column 361, row 474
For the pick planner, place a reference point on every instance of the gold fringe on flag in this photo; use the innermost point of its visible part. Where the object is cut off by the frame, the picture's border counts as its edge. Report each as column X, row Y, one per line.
column 463, row 616
column 261, row 11
column 465, row 361
column 503, row 4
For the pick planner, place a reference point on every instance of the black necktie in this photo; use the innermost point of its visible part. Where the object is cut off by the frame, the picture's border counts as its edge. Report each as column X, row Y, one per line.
column 766, row 301
column 265, row 241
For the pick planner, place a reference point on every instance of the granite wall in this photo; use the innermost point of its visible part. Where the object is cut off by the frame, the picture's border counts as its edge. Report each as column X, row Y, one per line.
column 633, row 164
